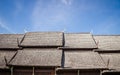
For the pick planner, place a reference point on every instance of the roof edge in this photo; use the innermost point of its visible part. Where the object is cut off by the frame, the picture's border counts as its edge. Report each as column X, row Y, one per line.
column 66, row 48
column 82, row 68
column 78, row 33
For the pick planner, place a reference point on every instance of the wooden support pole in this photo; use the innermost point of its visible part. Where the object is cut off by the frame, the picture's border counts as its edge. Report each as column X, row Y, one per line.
column 11, row 70
column 78, row 72
column 33, row 73
column 55, row 71
column 101, row 72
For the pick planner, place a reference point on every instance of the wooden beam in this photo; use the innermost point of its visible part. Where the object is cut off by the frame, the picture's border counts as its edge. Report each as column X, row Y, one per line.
column 11, row 70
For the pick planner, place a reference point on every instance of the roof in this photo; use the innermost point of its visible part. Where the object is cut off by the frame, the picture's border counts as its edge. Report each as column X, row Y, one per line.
column 79, row 40
column 43, row 39
column 83, row 60
column 10, row 41
column 112, row 60
column 5, row 55
column 38, row 57
column 108, row 43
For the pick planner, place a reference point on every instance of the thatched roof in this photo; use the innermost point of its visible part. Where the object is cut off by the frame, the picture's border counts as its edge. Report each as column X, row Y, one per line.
column 83, row 60
column 37, row 57
column 5, row 55
column 112, row 60
column 108, row 43
column 42, row 39
column 79, row 40
column 10, row 41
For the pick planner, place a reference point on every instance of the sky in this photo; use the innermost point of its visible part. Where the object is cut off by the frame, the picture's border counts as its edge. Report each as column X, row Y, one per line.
column 72, row 16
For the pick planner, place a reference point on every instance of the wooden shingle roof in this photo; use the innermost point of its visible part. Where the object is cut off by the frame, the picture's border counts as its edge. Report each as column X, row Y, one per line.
column 112, row 60
column 83, row 60
column 79, row 40
column 42, row 39
column 10, row 41
column 5, row 55
column 107, row 43
column 37, row 57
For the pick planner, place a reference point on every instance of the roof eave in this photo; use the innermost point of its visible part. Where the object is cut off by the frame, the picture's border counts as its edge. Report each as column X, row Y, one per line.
column 9, row 48
column 105, row 51
column 34, row 65
column 82, row 68
column 40, row 46
column 69, row 48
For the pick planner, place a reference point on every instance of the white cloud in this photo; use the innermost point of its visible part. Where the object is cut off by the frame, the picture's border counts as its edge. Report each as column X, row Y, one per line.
column 67, row 2
column 2, row 25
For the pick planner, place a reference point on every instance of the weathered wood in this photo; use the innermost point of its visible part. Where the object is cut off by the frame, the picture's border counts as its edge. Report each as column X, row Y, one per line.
column 33, row 71
column 78, row 72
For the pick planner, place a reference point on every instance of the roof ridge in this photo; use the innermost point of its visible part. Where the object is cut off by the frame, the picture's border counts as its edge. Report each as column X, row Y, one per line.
column 108, row 35
column 11, row 34
column 79, row 33
column 46, row 32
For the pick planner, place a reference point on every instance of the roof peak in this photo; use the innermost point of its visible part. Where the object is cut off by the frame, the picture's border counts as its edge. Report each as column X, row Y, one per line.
column 79, row 33
column 108, row 35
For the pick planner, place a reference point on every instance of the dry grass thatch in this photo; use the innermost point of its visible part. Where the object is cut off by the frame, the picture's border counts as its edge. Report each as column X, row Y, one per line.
column 10, row 41
column 37, row 58
column 79, row 41
column 43, row 39
column 108, row 43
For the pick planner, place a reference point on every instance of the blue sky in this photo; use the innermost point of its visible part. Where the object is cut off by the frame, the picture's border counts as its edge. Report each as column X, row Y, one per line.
column 95, row 16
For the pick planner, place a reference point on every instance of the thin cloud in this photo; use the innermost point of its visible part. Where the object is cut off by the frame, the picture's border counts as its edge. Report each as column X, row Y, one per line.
column 67, row 2
column 51, row 15
column 3, row 26
column 18, row 7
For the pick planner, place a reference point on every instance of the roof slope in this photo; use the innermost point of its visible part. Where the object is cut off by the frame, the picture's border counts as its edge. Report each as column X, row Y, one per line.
column 37, row 58
column 10, row 41
column 83, row 60
column 5, row 54
column 43, row 39
column 112, row 60
column 106, row 43
column 79, row 41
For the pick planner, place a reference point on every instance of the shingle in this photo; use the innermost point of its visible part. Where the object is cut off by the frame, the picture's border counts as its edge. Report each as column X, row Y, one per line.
column 106, row 43
column 83, row 60
column 73, row 40
column 5, row 54
column 10, row 41
column 38, row 57
column 43, row 39
column 112, row 60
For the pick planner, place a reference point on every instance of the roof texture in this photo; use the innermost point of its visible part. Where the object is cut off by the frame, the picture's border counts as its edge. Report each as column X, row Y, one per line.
column 112, row 60
column 40, row 49
column 107, row 43
column 79, row 41
column 83, row 60
column 37, row 58
column 10, row 41
column 43, row 39
column 5, row 55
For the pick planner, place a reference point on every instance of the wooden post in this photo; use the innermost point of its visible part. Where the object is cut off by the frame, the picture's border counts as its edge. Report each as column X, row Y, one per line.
column 78, row 72
column 55, row 71
column 33, row 73
column 101, row 72
column 11, row 70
